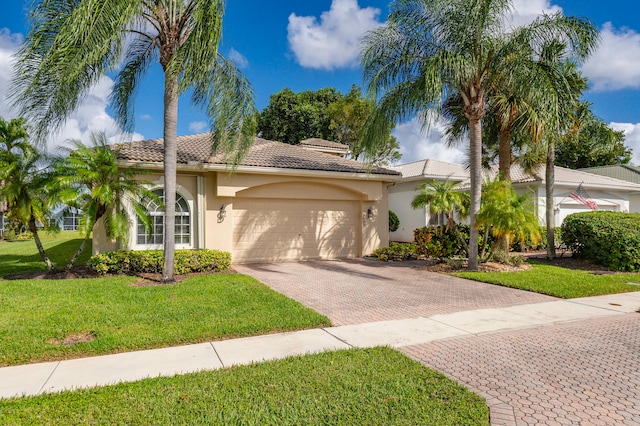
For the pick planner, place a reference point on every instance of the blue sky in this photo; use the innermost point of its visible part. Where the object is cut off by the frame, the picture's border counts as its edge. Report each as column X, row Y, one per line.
column 314, row 44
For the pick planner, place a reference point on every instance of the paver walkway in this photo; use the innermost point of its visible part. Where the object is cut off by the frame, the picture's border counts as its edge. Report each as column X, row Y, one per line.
column 361, row 291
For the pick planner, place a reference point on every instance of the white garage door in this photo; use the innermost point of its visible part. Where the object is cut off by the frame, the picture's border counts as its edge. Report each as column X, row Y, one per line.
column 567, row 209
column 272, row 230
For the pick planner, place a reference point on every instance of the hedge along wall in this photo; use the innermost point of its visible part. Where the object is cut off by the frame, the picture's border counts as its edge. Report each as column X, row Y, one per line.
column 611, row 239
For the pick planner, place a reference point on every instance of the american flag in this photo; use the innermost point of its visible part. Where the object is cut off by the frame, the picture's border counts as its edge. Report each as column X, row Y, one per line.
column 581, row 196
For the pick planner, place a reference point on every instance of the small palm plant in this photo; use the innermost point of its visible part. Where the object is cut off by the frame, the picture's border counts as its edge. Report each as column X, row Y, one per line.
column 446, row 198
column 509, row 216
column 90, row 181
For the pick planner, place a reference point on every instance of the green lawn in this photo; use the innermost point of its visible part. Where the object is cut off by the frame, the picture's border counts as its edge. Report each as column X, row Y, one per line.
column 37, row 315
column 378, row 386
column 558, row 282
column 22, row 256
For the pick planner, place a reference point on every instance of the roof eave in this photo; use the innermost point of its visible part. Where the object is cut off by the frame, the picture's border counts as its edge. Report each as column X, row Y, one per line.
column 202, row 167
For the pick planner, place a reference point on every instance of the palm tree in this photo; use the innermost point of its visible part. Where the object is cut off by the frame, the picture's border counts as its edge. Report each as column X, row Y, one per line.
column 508, row 215
column 430, row 49
column 91, row 181
column 27, row 191
column 447, row 198
column 442, row 197
column 13, row 135
column 71, row 45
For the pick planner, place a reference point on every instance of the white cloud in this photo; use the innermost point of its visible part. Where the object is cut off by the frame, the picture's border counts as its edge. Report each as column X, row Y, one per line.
column 145, row 117
column 416, row 145
column 632, row 138
column 526, row 11
column 334, row 40
column 615, row 64
column 91, row 115
column 238, row 58
column 198, row 126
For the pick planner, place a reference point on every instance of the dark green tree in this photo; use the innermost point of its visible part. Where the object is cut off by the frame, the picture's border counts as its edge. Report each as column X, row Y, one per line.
column 293, row 117
column 590, row 142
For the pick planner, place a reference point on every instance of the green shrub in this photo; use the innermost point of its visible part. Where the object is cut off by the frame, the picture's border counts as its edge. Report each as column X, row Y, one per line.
column 151, row 261
column 434, row 241
column 394, row 222
column 396, row 251
column 610, row 239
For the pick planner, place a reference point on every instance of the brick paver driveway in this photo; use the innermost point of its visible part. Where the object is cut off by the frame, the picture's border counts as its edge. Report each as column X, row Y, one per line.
column 581, row 373
column 359, row 291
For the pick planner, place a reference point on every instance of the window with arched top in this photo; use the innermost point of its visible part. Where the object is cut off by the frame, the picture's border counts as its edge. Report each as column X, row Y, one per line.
column 156, row 212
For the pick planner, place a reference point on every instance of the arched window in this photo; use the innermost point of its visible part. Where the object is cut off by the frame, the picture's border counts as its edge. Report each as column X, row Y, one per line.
column 156, row 237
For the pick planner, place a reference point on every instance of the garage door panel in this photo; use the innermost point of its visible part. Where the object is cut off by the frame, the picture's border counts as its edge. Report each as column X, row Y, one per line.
column 294, row 229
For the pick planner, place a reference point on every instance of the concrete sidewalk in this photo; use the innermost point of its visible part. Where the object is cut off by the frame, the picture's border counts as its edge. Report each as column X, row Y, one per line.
column 33, row 379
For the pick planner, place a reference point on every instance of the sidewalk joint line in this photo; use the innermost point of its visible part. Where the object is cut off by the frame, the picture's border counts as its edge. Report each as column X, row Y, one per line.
column 337, row 338
column 48, row 378
column 217, row 354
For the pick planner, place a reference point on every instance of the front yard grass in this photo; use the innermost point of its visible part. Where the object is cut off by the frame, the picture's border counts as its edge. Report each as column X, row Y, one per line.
column 559, row 282
column 45, row 320
column 18, row 257
column 348, row 387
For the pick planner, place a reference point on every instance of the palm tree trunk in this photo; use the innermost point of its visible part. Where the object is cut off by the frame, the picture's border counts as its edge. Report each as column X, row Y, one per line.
column 549, row 188
column 170, row 166
column 504, row 172
column 504, row 154
column 77, row 253
column 475, row 154
column 34, row 230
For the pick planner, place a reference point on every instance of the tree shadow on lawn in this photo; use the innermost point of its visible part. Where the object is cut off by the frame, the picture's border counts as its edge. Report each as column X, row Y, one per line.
column 12, row 264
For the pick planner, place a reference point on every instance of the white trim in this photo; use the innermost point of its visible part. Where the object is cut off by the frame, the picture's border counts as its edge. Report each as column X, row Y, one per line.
column 202, row 191
column 188, row 197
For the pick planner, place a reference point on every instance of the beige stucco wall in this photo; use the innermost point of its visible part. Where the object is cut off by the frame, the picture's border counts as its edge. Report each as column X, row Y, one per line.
column 207, row 192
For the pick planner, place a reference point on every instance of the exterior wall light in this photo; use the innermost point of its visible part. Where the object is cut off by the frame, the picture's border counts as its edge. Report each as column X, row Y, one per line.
column 222, row 214
column 369, row 213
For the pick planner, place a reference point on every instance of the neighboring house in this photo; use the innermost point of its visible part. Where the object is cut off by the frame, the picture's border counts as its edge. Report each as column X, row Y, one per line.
column 282, row 202
column 402, row 193
column 622, row 172
column 325, row 146
column 608, row 193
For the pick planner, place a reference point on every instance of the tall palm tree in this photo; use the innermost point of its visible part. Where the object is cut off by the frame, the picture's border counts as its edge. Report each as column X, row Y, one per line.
column 72, row 44
column 90, row 180
column 13, row 135
column 27, row 191
column 430, row 49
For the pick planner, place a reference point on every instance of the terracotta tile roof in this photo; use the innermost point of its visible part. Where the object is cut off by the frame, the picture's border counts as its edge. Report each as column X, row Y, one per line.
column 196, row 149
column 322, row 143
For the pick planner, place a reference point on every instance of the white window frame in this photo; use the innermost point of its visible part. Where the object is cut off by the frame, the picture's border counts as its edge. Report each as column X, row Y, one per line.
column 190, row 201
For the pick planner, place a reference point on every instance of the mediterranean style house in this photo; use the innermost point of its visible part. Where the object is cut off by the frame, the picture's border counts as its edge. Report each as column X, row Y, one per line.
column 282, row 202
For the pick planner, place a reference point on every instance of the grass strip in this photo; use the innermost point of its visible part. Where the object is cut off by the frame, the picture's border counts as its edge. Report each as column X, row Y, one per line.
column 40, row 317
column 558, row 282
column 377, row 386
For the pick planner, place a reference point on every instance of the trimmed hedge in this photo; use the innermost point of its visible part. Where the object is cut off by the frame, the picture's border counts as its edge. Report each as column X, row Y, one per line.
column 610, row 239
column 396, row 251
column 151, row 261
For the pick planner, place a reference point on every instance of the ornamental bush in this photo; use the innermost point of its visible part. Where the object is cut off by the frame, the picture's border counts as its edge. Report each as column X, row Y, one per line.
column 394, row 222
column 611, row 239
column 434, row 241
column 151, row 261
